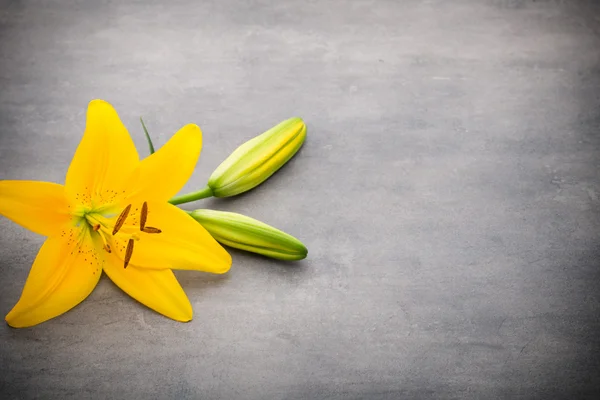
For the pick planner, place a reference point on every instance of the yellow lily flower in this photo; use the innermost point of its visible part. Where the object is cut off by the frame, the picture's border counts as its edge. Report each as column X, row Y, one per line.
column 112, row 215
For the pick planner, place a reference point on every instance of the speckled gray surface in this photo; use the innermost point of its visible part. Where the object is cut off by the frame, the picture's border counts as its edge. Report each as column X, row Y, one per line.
column 447, row 192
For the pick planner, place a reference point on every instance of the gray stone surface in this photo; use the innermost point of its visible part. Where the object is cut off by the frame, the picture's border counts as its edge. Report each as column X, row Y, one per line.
column 448, row 193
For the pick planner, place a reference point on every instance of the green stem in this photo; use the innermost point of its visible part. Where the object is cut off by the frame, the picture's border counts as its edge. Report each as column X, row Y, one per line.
column 186, row 198
column 150, row 145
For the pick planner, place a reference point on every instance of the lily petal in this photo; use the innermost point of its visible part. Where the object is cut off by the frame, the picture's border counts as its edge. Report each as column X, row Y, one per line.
column 105, row 158
column 157, row 289
column 61, row 277
column 41, row 207
column 182, row 243
column 161, row 175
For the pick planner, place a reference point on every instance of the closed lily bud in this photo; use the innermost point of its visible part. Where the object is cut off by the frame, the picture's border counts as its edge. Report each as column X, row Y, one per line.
column 245, row 233
column 259, row 158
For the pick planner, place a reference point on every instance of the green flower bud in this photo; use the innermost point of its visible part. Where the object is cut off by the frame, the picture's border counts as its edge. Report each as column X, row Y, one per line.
column 259, row 158
column 245, row 233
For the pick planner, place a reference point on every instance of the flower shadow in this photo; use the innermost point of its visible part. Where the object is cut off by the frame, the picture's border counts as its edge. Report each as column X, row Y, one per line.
column 288, row 270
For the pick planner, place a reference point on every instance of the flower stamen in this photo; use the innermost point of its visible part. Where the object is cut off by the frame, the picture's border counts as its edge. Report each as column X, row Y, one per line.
column 121, row 220
column 128, row 252
column 101, row 225
column 143, row 216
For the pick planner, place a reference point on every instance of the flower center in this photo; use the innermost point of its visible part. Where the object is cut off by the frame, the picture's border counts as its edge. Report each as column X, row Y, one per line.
column 106, row 228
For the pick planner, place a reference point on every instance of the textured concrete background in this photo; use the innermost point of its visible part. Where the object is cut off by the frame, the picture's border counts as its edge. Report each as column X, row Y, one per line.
column 448, row 193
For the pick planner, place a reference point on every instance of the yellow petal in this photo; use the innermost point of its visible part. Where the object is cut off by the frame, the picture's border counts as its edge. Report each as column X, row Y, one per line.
column 63, row 274
column 105, row 158
column 161, row 175
column 182, row 244
column 40, row 207
column 156, row 289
